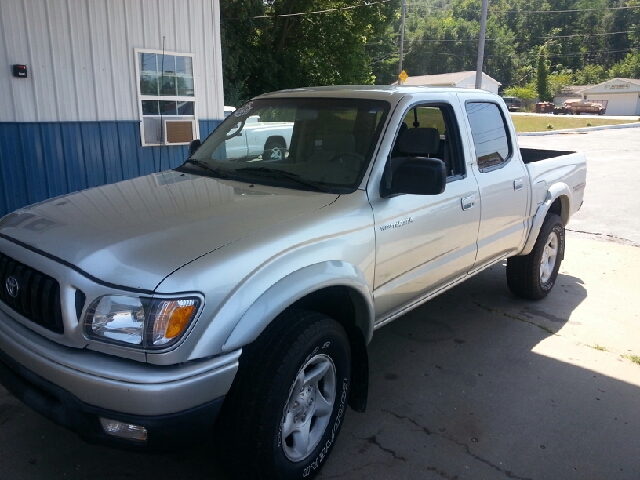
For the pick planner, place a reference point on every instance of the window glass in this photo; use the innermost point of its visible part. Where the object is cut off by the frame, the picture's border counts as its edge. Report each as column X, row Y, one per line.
column 489, row 134
column 148, row 63
column 185, row 108
column 185, row 86
column 150, row 107
column 167, row 64
column 149, row 84
column 439, row 131
column 166, row 87
column 168, row 107
column 184, row 66
column 308, row 143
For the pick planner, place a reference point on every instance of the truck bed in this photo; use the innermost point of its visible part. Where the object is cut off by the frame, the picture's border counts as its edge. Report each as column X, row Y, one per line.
column 530, row 155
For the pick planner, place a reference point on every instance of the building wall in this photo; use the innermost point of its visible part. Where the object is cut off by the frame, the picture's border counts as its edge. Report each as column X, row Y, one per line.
column 75, row 121
column 618, row 104
column 43, row 160
column 622, row 96
column 488, row 83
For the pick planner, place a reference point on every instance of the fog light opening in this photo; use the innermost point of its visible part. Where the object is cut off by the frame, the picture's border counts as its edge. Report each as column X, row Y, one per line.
column 123, row 430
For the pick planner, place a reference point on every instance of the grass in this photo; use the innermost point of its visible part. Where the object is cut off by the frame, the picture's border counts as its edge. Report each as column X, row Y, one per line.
column 540, row 123
column 600, row 348
column 633, row 358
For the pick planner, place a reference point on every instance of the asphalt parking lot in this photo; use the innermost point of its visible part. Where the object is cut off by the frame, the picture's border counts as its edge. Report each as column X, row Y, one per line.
column 475, row 384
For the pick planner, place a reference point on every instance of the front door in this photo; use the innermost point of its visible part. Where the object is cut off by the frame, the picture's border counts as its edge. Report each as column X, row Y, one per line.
column 425, row 241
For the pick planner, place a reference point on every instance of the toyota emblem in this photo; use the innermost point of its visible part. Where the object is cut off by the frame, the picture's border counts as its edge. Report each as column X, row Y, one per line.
column 12, row 286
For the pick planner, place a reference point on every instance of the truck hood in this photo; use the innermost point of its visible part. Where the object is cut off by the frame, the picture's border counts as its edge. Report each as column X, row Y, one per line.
column 135, row 233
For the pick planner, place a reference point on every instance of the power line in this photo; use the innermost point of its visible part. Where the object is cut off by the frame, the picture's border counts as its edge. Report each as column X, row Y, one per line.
column 568, row 54
column 575, row 10
column 317, row 12
column 547, row 37
column 379, row 2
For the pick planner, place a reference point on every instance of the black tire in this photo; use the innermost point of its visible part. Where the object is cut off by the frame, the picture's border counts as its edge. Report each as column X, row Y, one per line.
column 527, row 277
column 274, row 151
column 265, row 403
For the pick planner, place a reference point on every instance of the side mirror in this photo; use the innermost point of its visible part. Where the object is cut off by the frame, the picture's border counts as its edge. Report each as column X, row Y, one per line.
column 417, row 176
column 194, row 145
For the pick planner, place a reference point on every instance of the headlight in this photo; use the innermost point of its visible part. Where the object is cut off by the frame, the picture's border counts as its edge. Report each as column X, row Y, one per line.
column 139, row 321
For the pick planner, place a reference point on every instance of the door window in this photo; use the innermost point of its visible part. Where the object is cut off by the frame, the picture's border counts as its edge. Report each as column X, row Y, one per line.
column 490, row 136
column 436, row 122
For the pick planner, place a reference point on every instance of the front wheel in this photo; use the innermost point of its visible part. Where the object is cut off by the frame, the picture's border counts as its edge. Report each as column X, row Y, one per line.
column 284, row 412
column 533, row 276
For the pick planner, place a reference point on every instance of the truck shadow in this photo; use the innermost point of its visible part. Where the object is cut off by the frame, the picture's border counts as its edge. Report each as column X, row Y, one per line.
column 479, row 384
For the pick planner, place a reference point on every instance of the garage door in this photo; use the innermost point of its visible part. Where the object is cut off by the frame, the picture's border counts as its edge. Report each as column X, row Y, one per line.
column 619, row 104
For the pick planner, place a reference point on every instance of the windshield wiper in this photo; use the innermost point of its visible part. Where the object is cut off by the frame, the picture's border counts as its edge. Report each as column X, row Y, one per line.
column 281, row 173
column 204, row 165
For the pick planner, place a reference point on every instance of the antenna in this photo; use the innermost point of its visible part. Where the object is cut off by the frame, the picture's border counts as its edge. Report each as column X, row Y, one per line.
column 161, row 124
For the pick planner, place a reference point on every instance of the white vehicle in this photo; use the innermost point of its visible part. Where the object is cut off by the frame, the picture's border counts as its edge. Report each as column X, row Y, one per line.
column 238, row 296
column 253, row 137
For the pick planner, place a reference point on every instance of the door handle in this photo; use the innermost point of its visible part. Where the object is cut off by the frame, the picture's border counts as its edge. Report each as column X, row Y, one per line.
column 468, row 202
column 518, row 184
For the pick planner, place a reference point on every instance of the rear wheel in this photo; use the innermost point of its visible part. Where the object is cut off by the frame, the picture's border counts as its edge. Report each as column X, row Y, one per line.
column 533, row 276
column 284, row 411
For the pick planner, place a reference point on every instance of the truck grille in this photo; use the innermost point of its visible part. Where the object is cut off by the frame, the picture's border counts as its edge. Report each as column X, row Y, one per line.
column 31, row 293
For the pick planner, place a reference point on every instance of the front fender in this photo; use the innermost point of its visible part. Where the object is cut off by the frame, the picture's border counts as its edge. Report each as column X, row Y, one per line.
column 556, row 191
column 297, row 285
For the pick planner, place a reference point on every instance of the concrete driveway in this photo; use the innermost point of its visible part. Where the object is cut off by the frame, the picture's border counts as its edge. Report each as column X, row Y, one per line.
column 476, row 384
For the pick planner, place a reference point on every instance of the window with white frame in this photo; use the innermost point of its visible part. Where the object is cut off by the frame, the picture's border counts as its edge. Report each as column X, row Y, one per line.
column 166, row 97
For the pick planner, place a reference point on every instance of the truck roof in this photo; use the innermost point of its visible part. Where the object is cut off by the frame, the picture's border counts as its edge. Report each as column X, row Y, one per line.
column 376, row 92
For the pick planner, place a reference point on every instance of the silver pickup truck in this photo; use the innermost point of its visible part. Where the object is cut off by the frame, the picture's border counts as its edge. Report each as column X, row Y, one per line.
column 236, row 295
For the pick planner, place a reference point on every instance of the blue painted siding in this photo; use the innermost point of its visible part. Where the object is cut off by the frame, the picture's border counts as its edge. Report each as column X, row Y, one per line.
column 43, row 160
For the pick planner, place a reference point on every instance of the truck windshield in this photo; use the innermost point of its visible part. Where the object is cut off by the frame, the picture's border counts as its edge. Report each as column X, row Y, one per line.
column 307, row 143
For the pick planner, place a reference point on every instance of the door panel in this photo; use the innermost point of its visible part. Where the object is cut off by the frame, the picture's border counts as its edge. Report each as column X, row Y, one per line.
column 423, row 242
column 503, row 181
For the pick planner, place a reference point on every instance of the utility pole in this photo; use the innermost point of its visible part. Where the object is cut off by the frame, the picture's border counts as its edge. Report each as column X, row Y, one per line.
column 483, row 31
column 404, row 14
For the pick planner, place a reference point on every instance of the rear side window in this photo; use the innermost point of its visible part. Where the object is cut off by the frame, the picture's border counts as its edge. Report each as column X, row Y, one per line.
column 490, row 134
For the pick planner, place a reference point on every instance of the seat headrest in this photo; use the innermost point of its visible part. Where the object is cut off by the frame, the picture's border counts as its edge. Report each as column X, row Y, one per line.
column 419, row 142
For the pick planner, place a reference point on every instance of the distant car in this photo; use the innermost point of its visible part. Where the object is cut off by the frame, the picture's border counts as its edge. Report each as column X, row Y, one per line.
column 576, row 107
column 514, row 104
column 560, row 110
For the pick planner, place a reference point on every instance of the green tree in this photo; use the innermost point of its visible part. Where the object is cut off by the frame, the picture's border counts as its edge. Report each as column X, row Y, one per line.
column 558, row 80
column 590, row 75
column 524, row 93
column 281, row 50
column 627, row 68
column 542, row 84
column 240, row 37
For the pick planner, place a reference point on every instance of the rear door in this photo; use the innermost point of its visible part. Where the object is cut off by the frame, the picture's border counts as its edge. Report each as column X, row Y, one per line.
column 502, row 177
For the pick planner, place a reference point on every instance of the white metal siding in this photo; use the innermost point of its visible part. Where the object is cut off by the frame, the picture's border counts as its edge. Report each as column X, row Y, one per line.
column 80, row 55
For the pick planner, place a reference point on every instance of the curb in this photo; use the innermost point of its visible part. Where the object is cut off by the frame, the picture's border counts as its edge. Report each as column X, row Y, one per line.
column 578, row 130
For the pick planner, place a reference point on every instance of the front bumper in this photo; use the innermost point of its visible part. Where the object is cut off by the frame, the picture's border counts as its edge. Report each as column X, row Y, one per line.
column 75, row 387
column 165, row 432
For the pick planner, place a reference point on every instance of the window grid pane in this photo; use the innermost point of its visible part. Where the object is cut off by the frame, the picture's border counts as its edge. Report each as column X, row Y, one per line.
column 168, row 107
column 166, row 76
column 184, row 66
column 148, row 63
column 150, row 107
column 149, row 84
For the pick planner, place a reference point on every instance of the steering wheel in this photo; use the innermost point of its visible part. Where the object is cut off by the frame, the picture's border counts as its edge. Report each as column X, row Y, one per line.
column 350, row 160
